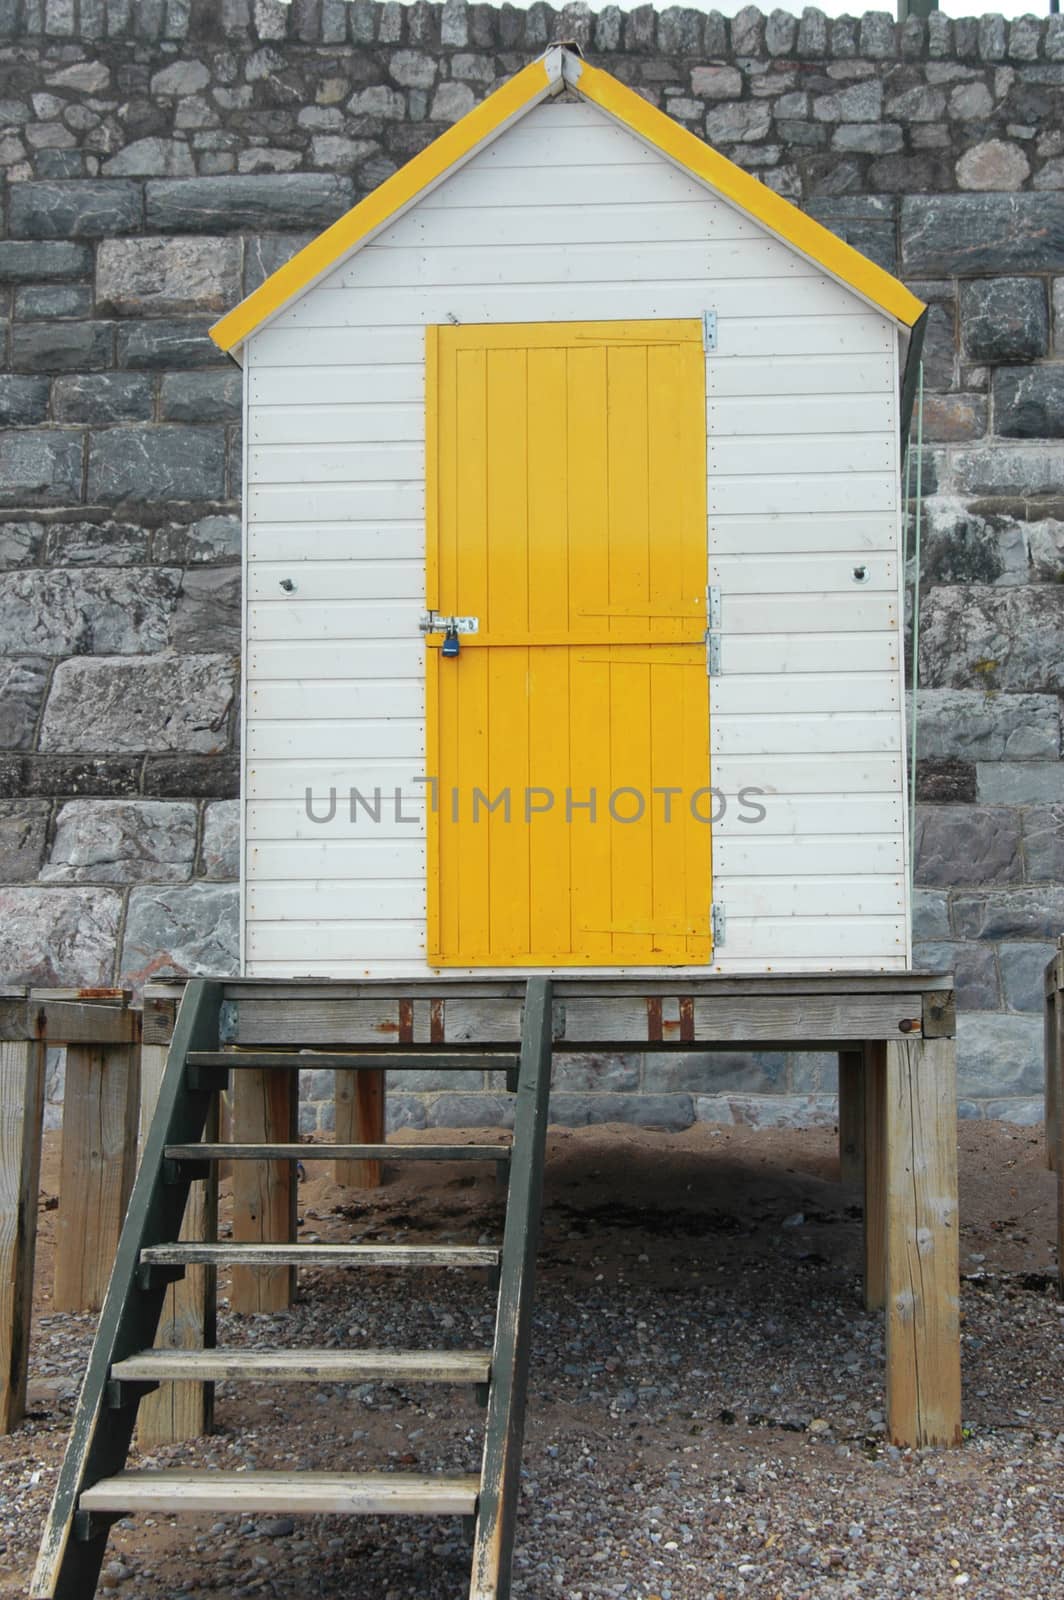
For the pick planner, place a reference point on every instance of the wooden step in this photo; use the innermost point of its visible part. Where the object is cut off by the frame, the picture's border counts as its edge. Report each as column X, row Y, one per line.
column 338, row 1152
column 400, row 1494
column 233, row 1253
column 390, row 1058
column 306, row 1366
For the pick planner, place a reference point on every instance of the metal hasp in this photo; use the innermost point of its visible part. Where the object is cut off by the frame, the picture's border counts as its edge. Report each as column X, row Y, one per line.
column 432, row 622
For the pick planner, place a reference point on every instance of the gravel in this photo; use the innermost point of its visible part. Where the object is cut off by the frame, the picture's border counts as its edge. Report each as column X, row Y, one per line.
column 706, row 1414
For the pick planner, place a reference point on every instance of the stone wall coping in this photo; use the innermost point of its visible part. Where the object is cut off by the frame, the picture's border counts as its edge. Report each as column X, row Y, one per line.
column 456, row 26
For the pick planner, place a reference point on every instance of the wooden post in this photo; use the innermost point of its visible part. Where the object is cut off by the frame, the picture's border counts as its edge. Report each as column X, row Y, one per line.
column 100, row 1096
column 923, row 1281
column 264, row 1106
column 184, row 1409
column 359, row 1120
column 1054, row 1051
column 21, row 1111
column 851, row 1118
column 875, row 1203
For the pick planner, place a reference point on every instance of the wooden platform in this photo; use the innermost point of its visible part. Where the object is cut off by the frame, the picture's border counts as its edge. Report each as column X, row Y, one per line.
column 893, row 1033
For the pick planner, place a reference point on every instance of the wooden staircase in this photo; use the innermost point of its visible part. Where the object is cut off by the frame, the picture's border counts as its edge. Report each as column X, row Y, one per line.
column 94, row 1488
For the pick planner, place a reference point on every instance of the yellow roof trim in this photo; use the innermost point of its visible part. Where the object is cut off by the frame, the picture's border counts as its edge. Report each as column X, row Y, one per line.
column 557, row 69
column 819, row 244
column 533, row 84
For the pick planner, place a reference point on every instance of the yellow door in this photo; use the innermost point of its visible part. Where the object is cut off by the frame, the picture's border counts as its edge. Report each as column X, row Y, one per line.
column 569, row 737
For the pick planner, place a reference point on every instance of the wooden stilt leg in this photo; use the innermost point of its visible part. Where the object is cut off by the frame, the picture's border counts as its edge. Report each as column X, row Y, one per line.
column 263, row 1111
column 359, row 1120
column 100, row 1100
column 875, row 1204
column 923, row 1284
column 1054, row 1053
column 21, row 1109
column 851, row 1118
column 181, row 1410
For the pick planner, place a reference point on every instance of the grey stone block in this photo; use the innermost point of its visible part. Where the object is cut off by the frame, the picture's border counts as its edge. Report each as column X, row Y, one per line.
column 27, row 261
column 1007, row 470
column 974, row 969
column 1043, row 844
column 201, row 397
column 264, row 253
column 164, row 344
column 945, row 781
column 193, row 928
column 93, row 209
column 713, row 1072
column 974, row 725
column 158, row 462
column 591, row 1073
column 716, row 83
column 220, row 852
column 1029, row 402
column 114, row 704
column 748, row 32
column 813, row 1072
column 738, row 121
column 1019, row 783
column 152, row 158
column 214, row 538
column 673, row 1112
column 994, row 638
column 59, row 936
column 40, row 468
column 768, row 1110
column 34, row 301
column 993, row 166
column 1022, row 1112
column 1022, row 971
column 206, row 777
column 138, row 277
column 998, row 1054
column 21, row 544
column 1010, row 913
column 812, row 34
column 87, row 610
column 963, row 546
column 23, row 833
column 122, row 841
column 930, row 914
column 435, row 1082
column 967, row 844
column 1004, row 319
column 288, row 200
column 51, row 776
column 861, row 102
column 89, row 544
column 971, row 234
column 23, row 680
column 405, row 1111
column 207, row 617
column 470, row 1111
column 61, row 346
column 23, row 400
column 104, row 397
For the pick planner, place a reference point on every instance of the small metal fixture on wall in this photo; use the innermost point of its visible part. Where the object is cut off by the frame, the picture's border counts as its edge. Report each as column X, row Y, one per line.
column 919, row 8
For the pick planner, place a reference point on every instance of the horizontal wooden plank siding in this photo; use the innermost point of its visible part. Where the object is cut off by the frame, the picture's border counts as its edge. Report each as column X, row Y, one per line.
column 568, row 217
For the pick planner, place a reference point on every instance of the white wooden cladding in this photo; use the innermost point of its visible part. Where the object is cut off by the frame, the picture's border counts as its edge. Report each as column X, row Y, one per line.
column 567, row 217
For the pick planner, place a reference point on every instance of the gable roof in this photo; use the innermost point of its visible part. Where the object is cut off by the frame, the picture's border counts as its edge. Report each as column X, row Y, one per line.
column 560, row 69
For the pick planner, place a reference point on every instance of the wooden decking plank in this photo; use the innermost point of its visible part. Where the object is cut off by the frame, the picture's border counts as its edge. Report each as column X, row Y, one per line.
column 323, row 1255
column 306, row 1366
column 341, row 1493
column 392, row 1058
column 332, row 1152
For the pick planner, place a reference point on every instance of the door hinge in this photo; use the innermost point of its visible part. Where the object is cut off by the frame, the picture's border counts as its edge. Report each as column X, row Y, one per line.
column 713, row 654
column 713, row 630
column 433, row 622
column 717, row 923
column 709, row 331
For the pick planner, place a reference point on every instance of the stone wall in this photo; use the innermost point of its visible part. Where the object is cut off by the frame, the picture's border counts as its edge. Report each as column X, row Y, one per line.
column 162, row 156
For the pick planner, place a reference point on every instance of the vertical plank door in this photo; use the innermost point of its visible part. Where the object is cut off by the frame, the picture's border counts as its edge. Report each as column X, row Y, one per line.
column 569, row 737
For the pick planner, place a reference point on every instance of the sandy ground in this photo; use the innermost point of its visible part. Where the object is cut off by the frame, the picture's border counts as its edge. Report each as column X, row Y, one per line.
column 706, row 1410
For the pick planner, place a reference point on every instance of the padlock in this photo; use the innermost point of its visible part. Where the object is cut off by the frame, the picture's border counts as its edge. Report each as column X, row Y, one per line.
column 451, row 643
